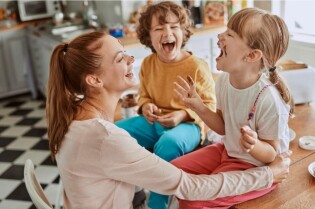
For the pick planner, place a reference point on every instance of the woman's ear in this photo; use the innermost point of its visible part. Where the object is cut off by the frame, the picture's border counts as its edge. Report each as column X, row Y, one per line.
column 254, row 55
column 93, row 80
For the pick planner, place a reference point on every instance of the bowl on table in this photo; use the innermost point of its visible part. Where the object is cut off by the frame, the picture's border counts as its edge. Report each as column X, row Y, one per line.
column 311, row 169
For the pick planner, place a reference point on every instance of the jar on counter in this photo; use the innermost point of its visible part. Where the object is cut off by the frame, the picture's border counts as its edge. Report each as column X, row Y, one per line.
column 2, row 13
column 116, row 30
column 129, row 105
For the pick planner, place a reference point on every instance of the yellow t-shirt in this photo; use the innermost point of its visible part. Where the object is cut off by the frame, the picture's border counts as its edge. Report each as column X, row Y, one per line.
column 157, row 84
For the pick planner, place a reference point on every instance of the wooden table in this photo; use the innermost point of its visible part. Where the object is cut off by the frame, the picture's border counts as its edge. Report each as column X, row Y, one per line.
column 298, row 191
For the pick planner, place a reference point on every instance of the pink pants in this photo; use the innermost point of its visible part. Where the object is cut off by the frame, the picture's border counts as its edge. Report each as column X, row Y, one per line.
column 210, row 160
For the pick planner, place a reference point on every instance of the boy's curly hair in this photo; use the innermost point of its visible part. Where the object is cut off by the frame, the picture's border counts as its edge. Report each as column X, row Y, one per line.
column 161, row 10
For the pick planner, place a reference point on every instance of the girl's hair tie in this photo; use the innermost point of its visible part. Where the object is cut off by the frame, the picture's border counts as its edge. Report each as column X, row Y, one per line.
column 272, row 69
column 65, row 48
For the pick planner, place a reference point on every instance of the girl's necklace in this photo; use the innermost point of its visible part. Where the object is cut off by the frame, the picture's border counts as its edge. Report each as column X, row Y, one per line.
column 253, row 110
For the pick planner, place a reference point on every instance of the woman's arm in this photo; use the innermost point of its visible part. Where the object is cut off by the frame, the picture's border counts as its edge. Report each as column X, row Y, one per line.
column 206, row 187
column 124, row 160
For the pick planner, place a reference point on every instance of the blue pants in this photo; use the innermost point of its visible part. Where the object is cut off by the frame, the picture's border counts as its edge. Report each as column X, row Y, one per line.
column 167, row 143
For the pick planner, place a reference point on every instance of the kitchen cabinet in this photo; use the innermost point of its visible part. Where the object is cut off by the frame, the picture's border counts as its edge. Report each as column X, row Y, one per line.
column 16, row 73
column 4, row 86
column 41, row 47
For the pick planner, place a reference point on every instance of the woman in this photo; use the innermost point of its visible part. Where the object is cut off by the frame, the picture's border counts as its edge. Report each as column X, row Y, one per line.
column 99, row 163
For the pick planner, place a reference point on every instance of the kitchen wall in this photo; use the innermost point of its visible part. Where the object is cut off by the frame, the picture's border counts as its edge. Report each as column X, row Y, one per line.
column 109, row 12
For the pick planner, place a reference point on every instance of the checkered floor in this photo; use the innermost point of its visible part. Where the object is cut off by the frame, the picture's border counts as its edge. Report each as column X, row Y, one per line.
column 23, row 135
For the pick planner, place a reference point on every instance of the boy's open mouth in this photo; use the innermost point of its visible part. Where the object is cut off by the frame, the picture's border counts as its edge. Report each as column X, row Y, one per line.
column 168, row 45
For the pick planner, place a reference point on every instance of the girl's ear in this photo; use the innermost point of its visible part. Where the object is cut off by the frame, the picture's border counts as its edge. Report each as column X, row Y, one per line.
column 93, row 80
column 254, row 55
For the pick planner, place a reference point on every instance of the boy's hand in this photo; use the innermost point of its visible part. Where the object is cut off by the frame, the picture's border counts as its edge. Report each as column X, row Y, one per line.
column 186, row 91
column 248, row 138
column 172, row 119
column 149, row 110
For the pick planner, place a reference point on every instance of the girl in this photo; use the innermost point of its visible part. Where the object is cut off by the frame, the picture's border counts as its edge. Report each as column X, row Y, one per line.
column 253, row 102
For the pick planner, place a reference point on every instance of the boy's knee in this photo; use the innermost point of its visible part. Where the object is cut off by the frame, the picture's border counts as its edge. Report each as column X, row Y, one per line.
column 168, row 150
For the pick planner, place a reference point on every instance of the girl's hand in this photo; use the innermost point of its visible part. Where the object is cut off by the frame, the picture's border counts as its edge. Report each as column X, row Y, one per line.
column 172, row 119
column 248, row 138
column 186, row 91
column 149, row 110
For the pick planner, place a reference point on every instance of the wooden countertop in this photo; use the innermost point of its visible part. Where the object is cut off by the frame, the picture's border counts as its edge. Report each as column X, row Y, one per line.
column 12, row 27
column 298, row 191
column 20, row 25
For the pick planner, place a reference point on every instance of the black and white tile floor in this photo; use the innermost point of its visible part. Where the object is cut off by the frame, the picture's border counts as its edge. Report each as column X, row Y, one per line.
column 23, row 135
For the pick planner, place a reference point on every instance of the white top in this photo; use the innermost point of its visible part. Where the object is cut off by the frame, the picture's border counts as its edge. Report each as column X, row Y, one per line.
column 99, row 165
column 270, row 120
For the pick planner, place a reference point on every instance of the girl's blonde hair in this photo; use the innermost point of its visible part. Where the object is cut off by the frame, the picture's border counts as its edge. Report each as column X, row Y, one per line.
column 268, row 33
column 69, row 65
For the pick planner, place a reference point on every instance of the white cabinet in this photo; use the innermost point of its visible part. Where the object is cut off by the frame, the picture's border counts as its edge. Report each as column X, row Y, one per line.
column 16, row 75
column 4, row 86
column 41, row 48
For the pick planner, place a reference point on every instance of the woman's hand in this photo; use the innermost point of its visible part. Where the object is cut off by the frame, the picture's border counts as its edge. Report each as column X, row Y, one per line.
column 150, row 111
column 280, row 167
column 186, row 91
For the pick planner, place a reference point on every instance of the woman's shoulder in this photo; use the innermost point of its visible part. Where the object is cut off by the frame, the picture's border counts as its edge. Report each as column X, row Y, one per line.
column 111, row 129
column 99, row 127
